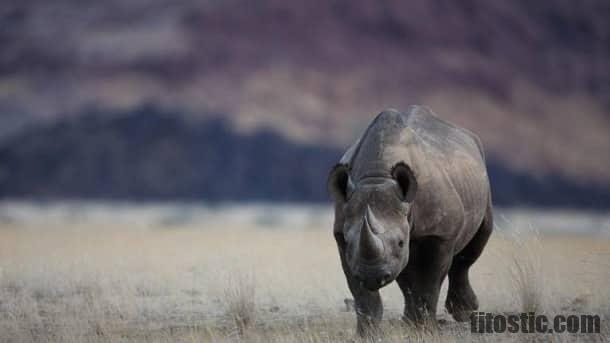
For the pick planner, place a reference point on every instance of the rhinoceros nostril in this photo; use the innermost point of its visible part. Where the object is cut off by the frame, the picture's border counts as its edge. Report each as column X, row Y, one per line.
column 401, row 243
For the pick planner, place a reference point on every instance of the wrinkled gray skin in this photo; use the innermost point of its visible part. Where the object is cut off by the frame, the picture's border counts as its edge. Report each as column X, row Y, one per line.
column 412, row 204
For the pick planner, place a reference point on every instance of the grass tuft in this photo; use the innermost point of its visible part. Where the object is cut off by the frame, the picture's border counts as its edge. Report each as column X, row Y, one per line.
column 241, row 306
column 525, row 267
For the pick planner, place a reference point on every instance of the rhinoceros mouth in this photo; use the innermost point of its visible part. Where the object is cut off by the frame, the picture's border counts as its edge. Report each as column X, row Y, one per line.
column 373, row 283
column 374, row 277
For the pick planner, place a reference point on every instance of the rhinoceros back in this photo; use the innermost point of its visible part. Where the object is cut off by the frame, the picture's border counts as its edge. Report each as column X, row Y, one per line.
column 447, row 160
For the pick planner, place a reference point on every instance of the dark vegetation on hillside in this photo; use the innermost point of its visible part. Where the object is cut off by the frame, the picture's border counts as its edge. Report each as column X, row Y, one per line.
column 152, row 154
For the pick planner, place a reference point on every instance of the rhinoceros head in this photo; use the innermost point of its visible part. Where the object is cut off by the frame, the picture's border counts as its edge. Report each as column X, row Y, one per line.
column 372, row 225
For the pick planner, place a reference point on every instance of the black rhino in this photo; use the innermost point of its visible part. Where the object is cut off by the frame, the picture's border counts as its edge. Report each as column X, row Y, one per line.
column 412, row 204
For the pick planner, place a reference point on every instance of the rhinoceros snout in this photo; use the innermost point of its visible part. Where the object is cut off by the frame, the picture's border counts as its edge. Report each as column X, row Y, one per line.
column 373, row 282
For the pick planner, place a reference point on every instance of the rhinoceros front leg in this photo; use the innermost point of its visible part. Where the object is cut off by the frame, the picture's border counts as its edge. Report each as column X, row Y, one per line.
column 420, row 282
column 368, row 305
column 369, row 308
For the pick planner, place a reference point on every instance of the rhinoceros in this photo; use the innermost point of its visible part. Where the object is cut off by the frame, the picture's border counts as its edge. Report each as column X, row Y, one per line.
column 412, row 204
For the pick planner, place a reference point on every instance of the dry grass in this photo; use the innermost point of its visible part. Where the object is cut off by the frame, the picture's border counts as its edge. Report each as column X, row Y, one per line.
column 527, row 271
column 142, row 274
column 240, row 298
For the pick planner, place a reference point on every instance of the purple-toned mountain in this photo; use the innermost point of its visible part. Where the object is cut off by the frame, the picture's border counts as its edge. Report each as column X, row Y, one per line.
column 531, row 77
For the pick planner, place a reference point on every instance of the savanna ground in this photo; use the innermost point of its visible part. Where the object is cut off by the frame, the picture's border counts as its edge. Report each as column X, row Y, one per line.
column 167, row 273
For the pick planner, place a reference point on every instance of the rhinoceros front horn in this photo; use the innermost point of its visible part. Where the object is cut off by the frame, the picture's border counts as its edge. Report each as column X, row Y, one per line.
column 371, row 246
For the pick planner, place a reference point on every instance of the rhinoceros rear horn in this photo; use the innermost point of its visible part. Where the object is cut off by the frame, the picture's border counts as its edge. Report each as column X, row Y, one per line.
column 339, row 182
column 405, row 178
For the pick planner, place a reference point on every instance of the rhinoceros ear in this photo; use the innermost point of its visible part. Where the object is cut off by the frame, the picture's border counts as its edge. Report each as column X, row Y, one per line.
column 338, row 182
column 405, row 178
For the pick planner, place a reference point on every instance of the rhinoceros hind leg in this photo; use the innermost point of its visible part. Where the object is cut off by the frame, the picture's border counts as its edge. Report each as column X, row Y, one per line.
column 461, row 299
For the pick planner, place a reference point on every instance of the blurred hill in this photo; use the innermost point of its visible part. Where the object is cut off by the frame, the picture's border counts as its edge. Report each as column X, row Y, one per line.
column 531, row 78
column 148, row 154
